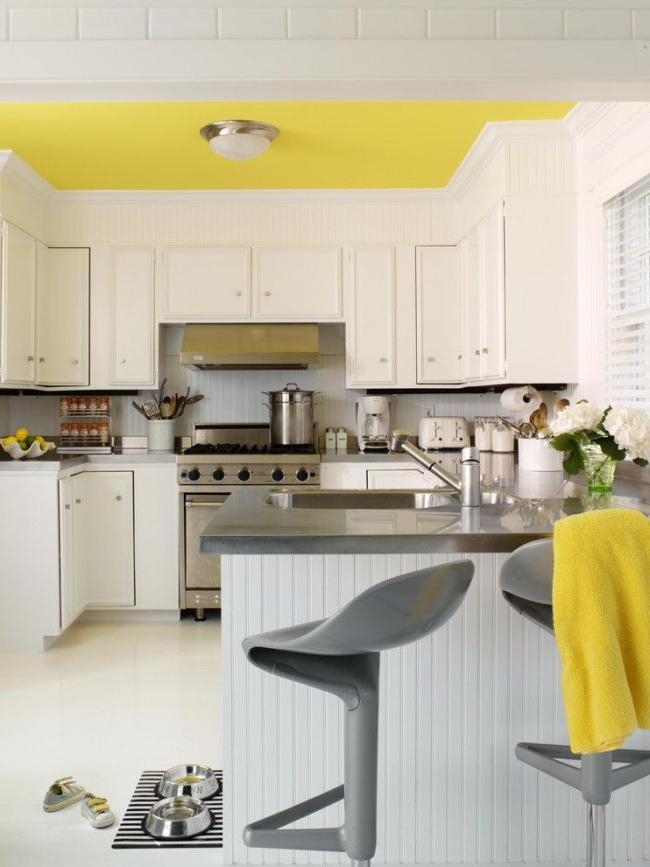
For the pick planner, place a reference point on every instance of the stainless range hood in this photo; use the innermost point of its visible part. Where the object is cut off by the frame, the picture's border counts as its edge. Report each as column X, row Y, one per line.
column 250, row 347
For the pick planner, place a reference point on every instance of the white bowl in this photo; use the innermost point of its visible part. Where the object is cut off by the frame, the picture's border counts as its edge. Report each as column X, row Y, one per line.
column 34, row 451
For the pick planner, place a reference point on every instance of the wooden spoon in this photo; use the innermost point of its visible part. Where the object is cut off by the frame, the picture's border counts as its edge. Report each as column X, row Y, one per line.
column 539, row 417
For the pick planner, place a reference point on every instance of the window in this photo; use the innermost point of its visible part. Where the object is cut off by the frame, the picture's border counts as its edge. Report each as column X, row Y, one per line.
column 627, row 219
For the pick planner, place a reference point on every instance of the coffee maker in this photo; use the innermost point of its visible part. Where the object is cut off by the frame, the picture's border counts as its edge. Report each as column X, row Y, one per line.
column 373, row 423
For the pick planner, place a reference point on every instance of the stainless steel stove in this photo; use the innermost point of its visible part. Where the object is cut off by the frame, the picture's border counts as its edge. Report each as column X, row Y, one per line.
column 223, row 457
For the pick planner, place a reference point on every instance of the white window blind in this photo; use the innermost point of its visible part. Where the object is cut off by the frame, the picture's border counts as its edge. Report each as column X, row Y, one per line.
column 628, row 295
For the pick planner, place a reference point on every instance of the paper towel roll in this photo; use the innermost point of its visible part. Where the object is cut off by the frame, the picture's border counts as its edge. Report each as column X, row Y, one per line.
column 524, row 399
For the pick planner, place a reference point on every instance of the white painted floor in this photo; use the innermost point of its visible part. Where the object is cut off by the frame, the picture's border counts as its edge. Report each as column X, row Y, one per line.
column 106, row 702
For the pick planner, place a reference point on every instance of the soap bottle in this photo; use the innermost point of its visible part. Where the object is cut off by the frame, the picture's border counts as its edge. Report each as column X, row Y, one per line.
column 341, row 439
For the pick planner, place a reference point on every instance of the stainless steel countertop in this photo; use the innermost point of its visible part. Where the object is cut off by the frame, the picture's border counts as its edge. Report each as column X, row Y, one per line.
column 246, row 524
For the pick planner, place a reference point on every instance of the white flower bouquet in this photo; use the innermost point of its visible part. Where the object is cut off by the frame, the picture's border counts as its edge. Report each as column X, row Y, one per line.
column 594, row 440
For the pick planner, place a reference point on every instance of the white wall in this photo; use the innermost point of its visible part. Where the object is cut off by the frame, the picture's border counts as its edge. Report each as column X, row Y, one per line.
column 235, row 396
column 613, row 153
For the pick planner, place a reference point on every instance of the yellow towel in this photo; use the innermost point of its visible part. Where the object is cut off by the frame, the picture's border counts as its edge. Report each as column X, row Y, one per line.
column 601, row 616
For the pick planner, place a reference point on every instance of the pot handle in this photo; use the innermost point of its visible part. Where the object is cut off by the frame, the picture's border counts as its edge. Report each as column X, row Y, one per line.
column 295, row 385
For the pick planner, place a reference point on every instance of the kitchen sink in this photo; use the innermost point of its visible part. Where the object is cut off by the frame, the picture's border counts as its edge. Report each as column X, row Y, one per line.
column 402, row 499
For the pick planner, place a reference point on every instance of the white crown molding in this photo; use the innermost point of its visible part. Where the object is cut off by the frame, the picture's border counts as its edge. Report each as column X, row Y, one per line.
column 15, row 167
column 246, row 197
column 584, row 116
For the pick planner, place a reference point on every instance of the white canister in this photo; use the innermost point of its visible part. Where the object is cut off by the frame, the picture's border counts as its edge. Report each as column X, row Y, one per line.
column 503, row 439
column 538, row 456
column 483, row 434
column 160, row 434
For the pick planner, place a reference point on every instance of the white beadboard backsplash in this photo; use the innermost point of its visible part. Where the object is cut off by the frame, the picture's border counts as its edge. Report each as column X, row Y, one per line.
column 236, row 395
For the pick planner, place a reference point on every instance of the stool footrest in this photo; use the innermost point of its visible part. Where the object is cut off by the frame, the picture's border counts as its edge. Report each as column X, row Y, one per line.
column 270, row 832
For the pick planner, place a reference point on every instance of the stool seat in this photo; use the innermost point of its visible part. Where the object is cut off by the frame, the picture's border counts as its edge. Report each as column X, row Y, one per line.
column 526, row 581
column 340, row 655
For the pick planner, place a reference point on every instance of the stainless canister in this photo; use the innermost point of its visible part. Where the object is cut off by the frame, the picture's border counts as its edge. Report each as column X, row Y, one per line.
column 292, row 416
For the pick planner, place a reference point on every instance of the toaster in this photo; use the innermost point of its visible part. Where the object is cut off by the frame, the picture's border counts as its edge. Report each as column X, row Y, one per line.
column 443, row 432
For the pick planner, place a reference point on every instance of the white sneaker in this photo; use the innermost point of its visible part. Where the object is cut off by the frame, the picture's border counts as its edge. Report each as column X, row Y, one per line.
column 97, row 810
column 62, row 793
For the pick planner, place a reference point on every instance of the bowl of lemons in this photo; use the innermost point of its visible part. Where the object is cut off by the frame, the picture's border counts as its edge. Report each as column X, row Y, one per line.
column 23, row 445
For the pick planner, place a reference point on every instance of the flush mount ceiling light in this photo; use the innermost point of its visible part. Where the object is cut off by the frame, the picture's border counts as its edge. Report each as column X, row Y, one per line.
column 239, row 139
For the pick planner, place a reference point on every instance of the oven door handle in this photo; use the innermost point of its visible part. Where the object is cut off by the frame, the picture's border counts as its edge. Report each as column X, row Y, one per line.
column 190, row 504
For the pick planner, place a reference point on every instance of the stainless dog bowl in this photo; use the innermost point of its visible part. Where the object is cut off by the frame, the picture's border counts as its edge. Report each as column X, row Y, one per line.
column 197, row 781
column 177, row 818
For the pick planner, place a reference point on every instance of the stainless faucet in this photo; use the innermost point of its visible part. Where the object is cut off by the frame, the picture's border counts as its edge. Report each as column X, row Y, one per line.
column 468, row 484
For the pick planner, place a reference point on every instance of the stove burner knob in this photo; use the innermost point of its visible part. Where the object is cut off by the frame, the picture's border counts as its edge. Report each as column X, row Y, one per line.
column 244, row 475
column 277, row 475
column 218, row 475
column 194, row 475
column 302, row 475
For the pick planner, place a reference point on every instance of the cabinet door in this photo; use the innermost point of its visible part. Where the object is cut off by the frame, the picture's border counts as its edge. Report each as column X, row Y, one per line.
column 208, row 283
column 438, row 315
column 18, row 305
column 62, row 306
column 71, row 600
column 370, row 326
column 103, row 536
column 133, row 329
column 297, row 283
column 470, row 279
column 492, row 340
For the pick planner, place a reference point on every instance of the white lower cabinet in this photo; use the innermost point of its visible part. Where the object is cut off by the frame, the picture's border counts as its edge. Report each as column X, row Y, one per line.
column 73, row 599
column 103, row 544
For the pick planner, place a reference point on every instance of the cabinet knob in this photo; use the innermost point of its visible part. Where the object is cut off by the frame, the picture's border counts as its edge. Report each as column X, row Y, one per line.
column 75, row 361
column 477, row 352
column 41, row 360
column 460, row 356
column 485, row 350
column 124, row 360
column 238, row 294
column 119, row 498
column 78, row 502
column 267, row 293
column 431, row 358
column 383, row 360
column 67, row 507
column 30, row 358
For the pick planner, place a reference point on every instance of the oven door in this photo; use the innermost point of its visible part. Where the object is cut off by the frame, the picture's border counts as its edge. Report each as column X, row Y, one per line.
column 202, row 571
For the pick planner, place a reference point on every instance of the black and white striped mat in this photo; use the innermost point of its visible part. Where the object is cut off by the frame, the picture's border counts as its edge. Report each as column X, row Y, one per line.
column 131, row 833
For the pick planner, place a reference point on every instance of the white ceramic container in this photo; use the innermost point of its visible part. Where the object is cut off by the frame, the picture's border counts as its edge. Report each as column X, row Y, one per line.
column 160, row 434
column 538, row 456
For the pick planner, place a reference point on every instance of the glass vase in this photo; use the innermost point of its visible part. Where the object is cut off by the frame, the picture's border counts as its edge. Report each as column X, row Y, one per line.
column 599, row 469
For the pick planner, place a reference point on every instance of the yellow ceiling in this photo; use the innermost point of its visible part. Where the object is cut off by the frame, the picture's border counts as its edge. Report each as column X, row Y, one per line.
column 156, row 145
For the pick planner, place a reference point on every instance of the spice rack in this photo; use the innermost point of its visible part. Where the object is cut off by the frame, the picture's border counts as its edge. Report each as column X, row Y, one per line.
column 85, row 424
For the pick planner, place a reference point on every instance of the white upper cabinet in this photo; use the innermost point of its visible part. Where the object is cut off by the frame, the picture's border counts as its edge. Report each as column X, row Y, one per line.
column 133, row 332
column 205, row 283
column 17, row 344
column 439, row 354
column 370, row 322
column 297, row 283
column 482, row 267
column 62, row 309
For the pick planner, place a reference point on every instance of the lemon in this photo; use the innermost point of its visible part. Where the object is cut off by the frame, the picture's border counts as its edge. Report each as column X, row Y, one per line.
column 9, row 441
column 41, row 441
column 21, row 434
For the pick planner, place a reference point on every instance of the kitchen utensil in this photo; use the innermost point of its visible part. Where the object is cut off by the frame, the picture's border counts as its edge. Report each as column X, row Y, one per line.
column 197, row 781
column 166, row 408
column 527, row 430
column 139, row 408
column 177, row 818
column 539, row 417
column 509, row 424
column 150, row 409
column 161, row 393
column 292, row 415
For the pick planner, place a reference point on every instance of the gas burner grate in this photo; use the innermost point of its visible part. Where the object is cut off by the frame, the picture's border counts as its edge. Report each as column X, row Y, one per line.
column 131, row 833
column 244, row 449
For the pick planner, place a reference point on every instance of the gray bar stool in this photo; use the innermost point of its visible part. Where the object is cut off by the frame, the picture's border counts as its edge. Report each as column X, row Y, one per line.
column 526, row 583
column 341, row 656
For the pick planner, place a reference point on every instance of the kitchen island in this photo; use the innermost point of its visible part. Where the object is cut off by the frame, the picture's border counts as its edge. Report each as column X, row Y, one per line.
column 452, row 705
